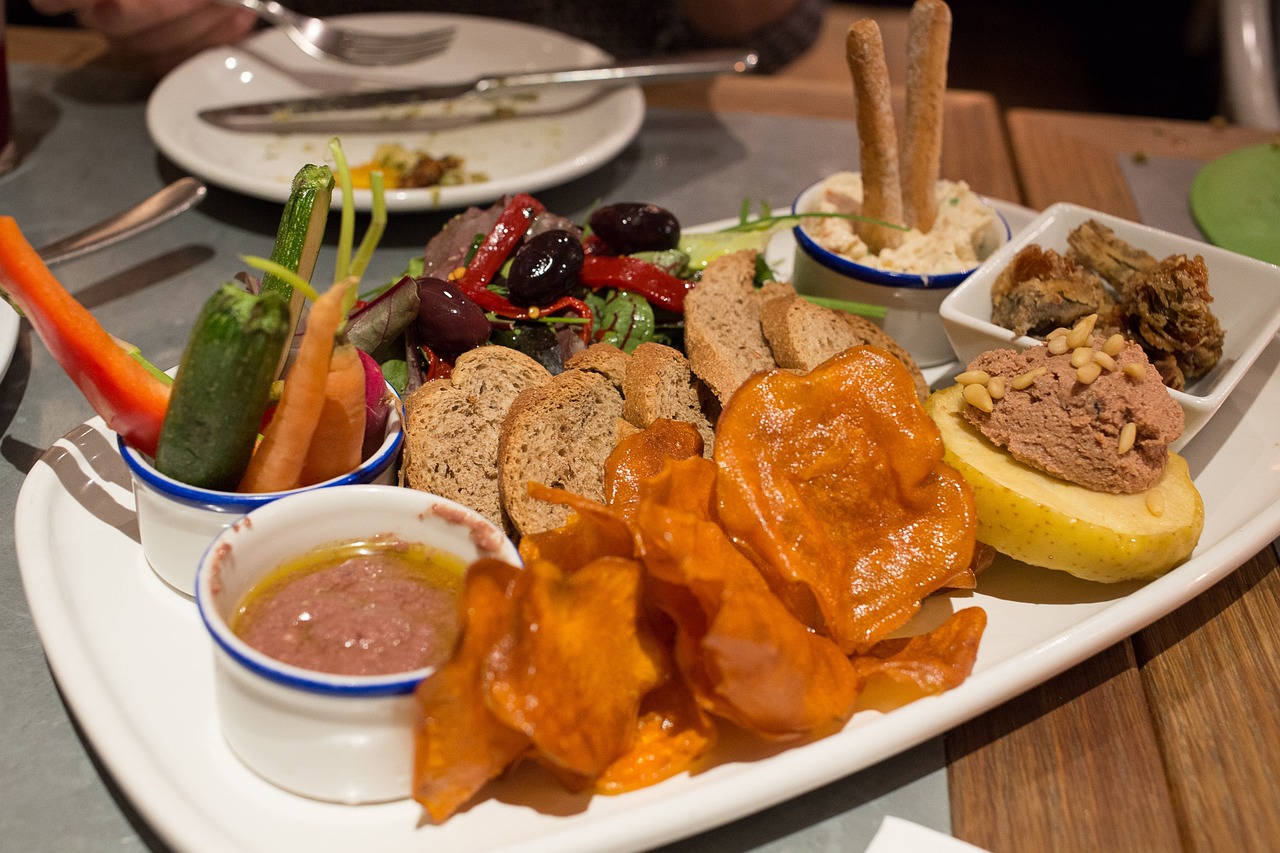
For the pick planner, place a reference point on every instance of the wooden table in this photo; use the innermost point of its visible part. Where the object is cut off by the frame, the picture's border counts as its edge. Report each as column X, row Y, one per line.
column 1132, row 750
column 1170, row 740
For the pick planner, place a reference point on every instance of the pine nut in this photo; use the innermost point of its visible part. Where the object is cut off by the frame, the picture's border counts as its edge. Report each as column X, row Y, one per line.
column 1108, row 363
column 1091, row 371
column 974, row 377
column 996, row 387
column 1058, row 345
column 977, row 396
column 1114, row 344
column 1155, row 502
column 1134, row 370
column 1082, row 331
column 1023, row 381
column 1080, row 356
column 1056, row 333
column 1128, row 434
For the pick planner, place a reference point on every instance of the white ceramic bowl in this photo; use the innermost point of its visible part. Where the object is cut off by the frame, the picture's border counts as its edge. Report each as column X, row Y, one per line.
column 1246, row 300
column 910, row 301
column 177, row 521
column 338, row 738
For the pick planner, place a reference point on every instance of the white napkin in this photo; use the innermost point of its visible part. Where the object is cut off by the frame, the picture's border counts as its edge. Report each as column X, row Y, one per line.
column 896, row 835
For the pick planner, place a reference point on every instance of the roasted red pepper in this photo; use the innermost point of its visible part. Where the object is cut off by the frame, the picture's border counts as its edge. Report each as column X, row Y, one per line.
column 632, row 274
column 494, row 250
column 128, row 397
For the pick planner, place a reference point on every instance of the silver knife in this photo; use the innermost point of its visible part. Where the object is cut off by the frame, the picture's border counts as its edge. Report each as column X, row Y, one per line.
column 280, row 115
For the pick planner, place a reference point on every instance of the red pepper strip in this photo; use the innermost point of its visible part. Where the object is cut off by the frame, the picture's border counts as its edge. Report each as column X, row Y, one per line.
column 494, row 250
column 632, row 274
column 119, row 388
column 569, row 303
column 437, row 367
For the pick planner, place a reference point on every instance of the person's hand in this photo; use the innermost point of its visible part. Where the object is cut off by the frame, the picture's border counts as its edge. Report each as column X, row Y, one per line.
column 156, row 35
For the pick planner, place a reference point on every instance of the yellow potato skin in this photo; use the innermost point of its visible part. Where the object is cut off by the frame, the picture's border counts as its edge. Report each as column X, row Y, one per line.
column 1044, row 521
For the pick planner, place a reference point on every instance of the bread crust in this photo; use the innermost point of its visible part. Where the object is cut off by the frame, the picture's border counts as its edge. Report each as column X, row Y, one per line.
column 660, row 384
column 453, row 426
column 804, row 335
column 722, row 335
column 559, row 434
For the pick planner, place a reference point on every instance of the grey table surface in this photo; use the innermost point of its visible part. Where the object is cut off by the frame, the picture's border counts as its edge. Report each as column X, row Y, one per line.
column 86, row 154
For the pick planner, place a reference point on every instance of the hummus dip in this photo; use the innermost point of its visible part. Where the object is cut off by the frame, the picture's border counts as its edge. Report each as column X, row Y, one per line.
column 357, row 608
column 957, row 241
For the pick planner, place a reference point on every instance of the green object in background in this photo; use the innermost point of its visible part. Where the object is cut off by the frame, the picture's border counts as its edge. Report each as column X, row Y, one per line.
column 1235, row 200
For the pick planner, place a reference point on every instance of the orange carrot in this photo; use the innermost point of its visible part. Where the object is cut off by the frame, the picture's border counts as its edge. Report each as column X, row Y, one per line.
column 281, row 455
column 118, row 387
column 338, row 441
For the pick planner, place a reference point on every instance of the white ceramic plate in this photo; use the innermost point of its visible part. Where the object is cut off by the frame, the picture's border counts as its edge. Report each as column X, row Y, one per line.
column 555, row 137
column 8, row 335
column 135, row 666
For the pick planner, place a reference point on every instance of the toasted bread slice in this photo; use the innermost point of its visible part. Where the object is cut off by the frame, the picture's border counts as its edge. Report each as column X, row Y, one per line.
column 605, row 359
column 558, row 434
column 722, row 325
column 660, row 384
column 452, row 427
column 803, row 335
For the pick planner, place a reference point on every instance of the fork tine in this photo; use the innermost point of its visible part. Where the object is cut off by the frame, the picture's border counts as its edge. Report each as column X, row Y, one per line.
column 376, row 49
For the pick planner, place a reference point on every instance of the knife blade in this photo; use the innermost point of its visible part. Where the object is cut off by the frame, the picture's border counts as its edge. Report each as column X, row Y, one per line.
column 283, row 115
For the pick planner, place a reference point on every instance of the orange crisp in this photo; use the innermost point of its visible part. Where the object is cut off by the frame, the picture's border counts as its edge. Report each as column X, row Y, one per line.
column 757, row 589
column 835, row 481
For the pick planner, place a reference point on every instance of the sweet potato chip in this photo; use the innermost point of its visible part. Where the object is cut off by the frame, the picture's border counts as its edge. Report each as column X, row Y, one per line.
column 744, row 655
column 591, row 532
column 935, row 661
column 672, row 733
column 642, row 455
column 580, row 661
column 835, row 481
column 459, row 744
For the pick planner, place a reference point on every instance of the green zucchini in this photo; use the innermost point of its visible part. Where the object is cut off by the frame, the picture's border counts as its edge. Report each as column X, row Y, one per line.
column 222, row 388
column 298, row 238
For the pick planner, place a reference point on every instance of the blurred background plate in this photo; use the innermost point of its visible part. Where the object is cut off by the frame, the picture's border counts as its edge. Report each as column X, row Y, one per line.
column 1236, row 201
column 519, row 144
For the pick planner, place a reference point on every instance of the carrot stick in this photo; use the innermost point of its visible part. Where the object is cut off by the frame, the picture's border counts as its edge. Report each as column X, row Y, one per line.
column 278, row 462
column 128, row 397
column 338, row 441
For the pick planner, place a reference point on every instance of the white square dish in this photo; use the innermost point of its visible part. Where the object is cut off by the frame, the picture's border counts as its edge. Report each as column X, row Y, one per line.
column 1246, row 301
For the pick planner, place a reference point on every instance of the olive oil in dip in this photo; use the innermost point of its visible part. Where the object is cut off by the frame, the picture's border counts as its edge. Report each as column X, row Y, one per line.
column 356, row 608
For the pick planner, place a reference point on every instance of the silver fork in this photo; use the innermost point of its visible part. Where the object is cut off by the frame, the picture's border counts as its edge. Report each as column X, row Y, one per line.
column 324, row 40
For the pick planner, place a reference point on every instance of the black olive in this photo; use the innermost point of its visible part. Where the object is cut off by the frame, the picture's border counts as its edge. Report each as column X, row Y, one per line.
column 448, row 321
column 628, row 227
column 544, row 268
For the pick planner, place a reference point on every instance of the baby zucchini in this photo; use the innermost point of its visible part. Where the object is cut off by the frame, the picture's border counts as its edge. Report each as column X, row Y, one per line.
column 222, row 388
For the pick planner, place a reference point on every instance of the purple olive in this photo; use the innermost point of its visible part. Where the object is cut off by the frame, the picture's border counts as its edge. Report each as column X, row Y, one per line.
column 544, row 268
column 448, row 321
column 628, row 227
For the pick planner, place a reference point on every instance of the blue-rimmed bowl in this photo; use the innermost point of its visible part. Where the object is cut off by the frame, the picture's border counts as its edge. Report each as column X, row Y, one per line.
column 177, row 521
column 337, row 738
column 905, row 304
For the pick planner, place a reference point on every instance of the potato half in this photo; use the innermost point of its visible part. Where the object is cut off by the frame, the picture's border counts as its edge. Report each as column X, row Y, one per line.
column 1044, row 521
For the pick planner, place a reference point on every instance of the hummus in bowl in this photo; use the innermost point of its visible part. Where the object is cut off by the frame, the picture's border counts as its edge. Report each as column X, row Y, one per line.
column 901, row 288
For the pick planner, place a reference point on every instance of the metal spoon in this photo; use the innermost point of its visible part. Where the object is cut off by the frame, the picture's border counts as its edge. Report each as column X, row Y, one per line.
column 164, row 205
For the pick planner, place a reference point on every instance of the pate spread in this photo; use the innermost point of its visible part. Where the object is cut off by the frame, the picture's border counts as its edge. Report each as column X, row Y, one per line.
column 370, row 608
column 1107, row 427
column 956, row 242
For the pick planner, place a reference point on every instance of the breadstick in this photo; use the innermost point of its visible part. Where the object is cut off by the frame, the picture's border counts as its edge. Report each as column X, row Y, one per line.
column 928, row 38
column 877, row 137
